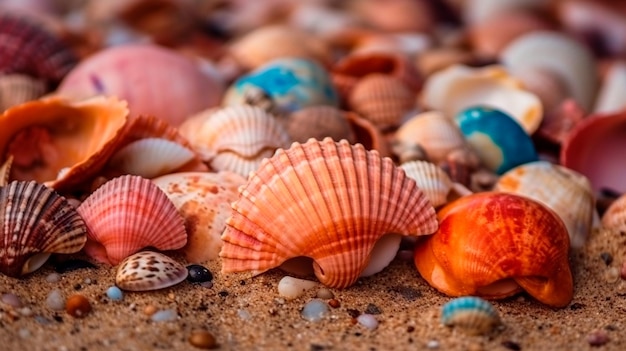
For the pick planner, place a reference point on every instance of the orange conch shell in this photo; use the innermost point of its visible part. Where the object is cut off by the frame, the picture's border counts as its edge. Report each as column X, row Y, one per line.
column 330, row 201
column 494, row 245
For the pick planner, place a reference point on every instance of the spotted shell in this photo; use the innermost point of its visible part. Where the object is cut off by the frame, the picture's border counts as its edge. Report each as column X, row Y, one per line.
column 494, row 245
column 36, row 222
column 16, row 89
column 330, row 201
column 566, row 192
column 319, row 122
column 127, row 214
column 473, row 315
column 147, row 270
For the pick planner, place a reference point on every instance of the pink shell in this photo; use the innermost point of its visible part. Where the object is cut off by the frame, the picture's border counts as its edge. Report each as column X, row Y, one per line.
column 127, row 214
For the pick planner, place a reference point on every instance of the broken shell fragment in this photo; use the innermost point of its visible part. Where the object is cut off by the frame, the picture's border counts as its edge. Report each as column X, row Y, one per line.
column 147, row 270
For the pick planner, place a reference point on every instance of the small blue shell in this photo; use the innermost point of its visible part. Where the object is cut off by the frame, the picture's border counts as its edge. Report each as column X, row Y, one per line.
column 500, row 142
column 292, row 83
column 472, row 314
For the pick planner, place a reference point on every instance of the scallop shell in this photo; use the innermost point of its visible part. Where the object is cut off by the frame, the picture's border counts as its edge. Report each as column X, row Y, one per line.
column 127, row 214
column 16, row 89
column 319, row 122
column 237, row 138
column 35, row 222
column 203, row 199
column 147, row 270
column 615, row 216
column 493, row 245
column 151, row 157
column 473, row 315
column 566, row 192
column 431, row 179
column 383, row 99
column 324, row 200
column 459, row 87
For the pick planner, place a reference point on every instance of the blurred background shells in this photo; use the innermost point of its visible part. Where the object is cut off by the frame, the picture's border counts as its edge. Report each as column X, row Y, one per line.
column 319, row 122
column 615, row 216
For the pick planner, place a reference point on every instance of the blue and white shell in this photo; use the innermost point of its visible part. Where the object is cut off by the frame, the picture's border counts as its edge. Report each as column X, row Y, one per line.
column 473, row 315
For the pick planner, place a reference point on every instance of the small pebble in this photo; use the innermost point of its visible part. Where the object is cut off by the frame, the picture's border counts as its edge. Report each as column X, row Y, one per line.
column 42, row 320
column 432, row 344
column 114, row 293
column 202, row 339
column 87, row 281
column 243, row 314
column 597, row 338
column 372, row 309
column 198, row 274
column 55, row 300
column 164, row 315
column 207, row 285
column 11, row 300
column 24, row 333
column 77, row 306
column 367, row 320
column 315, row 310
column 291, row 288
column 334, row 303
column 26, row 311
column 612, row 274
column 150, row 310
column 607, row 258
column 53, row 278
column 325, row 293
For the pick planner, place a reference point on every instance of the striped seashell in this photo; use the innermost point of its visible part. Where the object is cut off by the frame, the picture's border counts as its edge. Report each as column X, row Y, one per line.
column 147, row 270
column 127, row 214
column 5, row 171
column 16, row 89
column 566, row 192
column 473, row 315
column 319, row 122
column 236, row 138
column 383, row 99
column 433, row 181
column 151, row 157
column 330, row 201
column 615, row 216
column 36, row 222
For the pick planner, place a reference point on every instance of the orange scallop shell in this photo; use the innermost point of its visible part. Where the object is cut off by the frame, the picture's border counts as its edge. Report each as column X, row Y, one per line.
column 330, row 201
column 127, row 214
column 494, row 245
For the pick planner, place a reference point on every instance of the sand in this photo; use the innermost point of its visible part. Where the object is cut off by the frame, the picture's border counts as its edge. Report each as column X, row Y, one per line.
column 249, row 314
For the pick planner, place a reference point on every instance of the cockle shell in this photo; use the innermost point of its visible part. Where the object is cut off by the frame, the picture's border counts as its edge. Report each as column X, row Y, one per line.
column 127, row 214
column 151, row 157
column 494, row 245
column 433, row 181
column 459, row 87
column 203, row 199
column 472, row 314
column 566, row 192
column 325, row 200
column 16, row 89
column 36, row 222
column 147, row 270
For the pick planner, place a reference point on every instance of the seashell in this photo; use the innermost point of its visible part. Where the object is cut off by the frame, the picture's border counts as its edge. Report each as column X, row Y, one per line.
column 560, row 54
column 28, row 48
column 147, row 270
column 615, row 216
column 151, row 157
column 5, row 171
column 131, row 72
column 498, row 140
column 590, row 149
column 237, row 138
column 268, row 43
column 319, row 122
column 36, row 222
column 471, row 314
column 439, row 58
column 383, row 99
column 566, row 192
column 396, row 15
column 609, row 98
column 203, row 199
column 16, row 89
column 494, row 245
column 292, row 83
column 459, row 87
column 127, row 214
column 74, row 137
column 367, row 134
column 557, row 124
column 434, row 132
column 431, row 179
column 328, row 201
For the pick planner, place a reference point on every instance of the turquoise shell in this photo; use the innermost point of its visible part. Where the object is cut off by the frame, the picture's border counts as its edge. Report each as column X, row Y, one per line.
column 500, row 142
column 292, row 83
column 472, row 314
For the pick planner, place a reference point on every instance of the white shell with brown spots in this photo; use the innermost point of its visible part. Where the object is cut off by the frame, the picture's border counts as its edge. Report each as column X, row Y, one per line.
column 147, row 270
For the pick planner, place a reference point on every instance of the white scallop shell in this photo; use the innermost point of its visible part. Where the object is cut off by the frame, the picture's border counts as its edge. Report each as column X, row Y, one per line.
column 151, row 157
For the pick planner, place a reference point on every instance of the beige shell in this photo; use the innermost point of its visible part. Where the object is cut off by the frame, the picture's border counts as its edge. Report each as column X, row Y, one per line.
column 458, row 87
column 203, row 199
column 615, row 216
column 610, row 97
column 127, row 214
column 434, row 132
column 433, row 181
column 319, row 122
column 383, row 99
column 147, row 270
column 35, row 222
column 17, row 88
column 566, row 192
column 324, row 200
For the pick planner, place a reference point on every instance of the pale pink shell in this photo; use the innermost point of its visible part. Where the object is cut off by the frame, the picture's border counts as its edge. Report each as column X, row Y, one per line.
column 127, row 214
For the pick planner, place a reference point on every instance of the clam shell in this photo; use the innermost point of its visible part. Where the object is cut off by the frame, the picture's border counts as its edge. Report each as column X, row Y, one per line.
column 473, row 315
column 431, row 179
column 147, row 270
column 493, row 245
column 566, row 192
column 16, row 89
column 203, row 199
column 615, row 216
column 324, row 200
column 127, row 214
column 151, row 157
column 35, row 222
column 319, row 122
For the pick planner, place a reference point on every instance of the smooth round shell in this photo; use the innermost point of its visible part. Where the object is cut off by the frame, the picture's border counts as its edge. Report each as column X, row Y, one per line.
column 151, row 157
column 473, row 315
column 147, row 270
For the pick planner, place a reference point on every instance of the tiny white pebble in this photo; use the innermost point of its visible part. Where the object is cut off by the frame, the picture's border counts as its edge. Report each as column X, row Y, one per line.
column 325, row 293
column 164, row 315
column 53, row 278
column 243, row 314
column 291, row 288
column 24, row 333
column 11, row 300
column 368, row 321
column 315, row 310
column 26, row 311
column 55, row 300
column 87, row 281
column 432, row 344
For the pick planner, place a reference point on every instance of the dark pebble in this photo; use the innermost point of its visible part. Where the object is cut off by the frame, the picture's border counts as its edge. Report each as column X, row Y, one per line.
column 372, row 309
column 72, row 265
column 223, row 293
column 576, row 306
column 607, row 258
column 511, row 345
column 198, row 274
column 353, row 313
column 597, row 338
